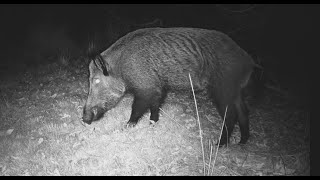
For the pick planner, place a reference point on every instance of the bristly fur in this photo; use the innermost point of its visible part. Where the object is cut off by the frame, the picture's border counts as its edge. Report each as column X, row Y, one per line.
column 150, row 62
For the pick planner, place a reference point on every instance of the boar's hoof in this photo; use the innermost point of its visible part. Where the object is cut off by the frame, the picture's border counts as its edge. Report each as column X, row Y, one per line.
column 131, row 124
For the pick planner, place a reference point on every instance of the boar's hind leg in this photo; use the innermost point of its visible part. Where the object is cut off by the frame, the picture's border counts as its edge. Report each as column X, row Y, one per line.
column 222, row 97
column 230, row 121
column 237, row 111
column 243, row 119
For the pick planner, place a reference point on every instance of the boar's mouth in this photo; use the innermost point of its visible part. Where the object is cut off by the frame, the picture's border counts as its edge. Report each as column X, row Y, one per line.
column 92, row 114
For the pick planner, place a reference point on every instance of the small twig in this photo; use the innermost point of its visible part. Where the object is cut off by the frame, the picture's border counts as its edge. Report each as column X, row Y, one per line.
column 259, row 65
column 245, row 160
column 167, row 114
column 210, row 145
column 277, row 89
column 260, row 123
column 232, row 171
column 224, row 118
column 200, row 131
column 238, row 11
column 4, row 99
column 284, row 166
column 174, row 120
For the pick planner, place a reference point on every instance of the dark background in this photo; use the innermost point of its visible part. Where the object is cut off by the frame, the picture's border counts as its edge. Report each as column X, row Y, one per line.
column 282, row 36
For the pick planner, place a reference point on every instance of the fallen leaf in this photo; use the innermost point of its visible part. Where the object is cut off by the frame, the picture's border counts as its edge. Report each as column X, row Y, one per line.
column 56, row 172
column 9, row 131
column 40, row 141
column 54, row 95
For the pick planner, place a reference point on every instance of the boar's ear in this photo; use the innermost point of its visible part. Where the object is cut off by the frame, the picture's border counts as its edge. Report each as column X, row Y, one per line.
column 100, row 64
column 92, row 67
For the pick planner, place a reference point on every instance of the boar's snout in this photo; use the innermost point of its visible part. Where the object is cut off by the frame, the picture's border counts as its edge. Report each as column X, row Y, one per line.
column 87, row 116
column 92, row 114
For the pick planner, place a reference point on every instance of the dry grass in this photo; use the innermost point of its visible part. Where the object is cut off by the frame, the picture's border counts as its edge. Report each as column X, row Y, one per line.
column 64, row 57
column 44, row 110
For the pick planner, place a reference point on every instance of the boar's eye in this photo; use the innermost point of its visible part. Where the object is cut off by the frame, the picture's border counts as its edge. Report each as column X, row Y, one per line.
column 96, row 81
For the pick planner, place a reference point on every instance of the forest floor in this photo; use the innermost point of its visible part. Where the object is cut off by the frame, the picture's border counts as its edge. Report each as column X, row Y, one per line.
column 41, row 133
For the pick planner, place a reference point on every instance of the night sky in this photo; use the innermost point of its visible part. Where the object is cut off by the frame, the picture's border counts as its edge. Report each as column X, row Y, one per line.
column 283, row 35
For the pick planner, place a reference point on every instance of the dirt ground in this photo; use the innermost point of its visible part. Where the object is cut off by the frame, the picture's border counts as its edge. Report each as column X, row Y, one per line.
column 41, row 133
